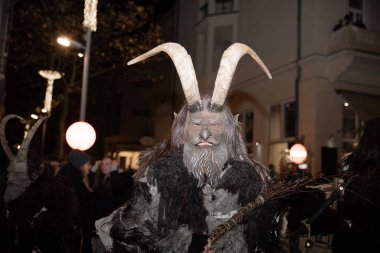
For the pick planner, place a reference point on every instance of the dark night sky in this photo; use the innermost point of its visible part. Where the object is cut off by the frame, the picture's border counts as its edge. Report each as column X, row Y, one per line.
column 38, row 50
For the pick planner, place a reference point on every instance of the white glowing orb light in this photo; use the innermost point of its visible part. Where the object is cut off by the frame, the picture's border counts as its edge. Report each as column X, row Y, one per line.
column 297, row 154
column 80, row 135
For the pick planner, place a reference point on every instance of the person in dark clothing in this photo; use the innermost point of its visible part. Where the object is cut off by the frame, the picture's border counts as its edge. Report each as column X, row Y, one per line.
column 45, row 217
column 76, row 173
column 112, row 187
column 361, row 201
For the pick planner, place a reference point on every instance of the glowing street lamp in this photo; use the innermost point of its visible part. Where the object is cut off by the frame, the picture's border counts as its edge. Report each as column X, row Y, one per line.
column 298, row 154
column 80, row 135
column 51, row 76
column 67, row 42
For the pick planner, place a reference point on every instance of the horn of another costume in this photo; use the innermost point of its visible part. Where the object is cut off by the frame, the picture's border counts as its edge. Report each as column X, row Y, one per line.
column 184, row 66
column 17, row 178
column 4, row 142
column 228, row 63
column 24, row 147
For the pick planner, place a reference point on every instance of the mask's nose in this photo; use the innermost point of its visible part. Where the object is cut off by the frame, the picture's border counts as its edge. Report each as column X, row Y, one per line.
column 205, row 134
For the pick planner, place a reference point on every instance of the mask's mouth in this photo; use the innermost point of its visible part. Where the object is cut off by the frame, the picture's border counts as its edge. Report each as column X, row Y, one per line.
column 205, row 143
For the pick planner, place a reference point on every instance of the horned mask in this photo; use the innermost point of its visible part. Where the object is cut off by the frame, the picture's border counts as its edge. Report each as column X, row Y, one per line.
column 17, row 178
column 209, row 133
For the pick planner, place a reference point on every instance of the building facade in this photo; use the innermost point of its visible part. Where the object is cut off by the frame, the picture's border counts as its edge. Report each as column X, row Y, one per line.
column 324, row 57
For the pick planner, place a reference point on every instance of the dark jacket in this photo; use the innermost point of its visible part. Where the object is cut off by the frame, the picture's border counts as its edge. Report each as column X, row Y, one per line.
column 111, row 193
column 74, row 178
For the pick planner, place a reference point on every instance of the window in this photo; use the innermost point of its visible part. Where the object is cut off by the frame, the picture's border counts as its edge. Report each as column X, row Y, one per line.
column 246, row 120
column 275, row 122
column 356, row 4
column 224, row 6
column 282, row 121
column 290, row 119
column 356, row 13
column 204, row 10
column 350, row 125
column 212, row 7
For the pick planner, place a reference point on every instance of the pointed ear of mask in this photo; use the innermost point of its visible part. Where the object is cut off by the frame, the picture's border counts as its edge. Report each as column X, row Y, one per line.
column 175, row 115
column 237, row 118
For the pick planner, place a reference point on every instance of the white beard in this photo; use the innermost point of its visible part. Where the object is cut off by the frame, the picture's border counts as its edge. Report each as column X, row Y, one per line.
column 205, row 163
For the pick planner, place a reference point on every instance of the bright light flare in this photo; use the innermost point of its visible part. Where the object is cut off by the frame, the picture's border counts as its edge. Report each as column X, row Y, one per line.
column 298, row 153
column 33, row 116
column 80, row 55
column 63, row 41
column 44, row 110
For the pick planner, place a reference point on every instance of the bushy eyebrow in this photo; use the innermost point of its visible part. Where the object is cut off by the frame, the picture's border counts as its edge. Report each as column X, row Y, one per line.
column 215, row 120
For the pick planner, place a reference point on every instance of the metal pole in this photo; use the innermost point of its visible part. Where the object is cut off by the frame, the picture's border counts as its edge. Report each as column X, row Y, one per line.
column 298, row 69
column 86, row 66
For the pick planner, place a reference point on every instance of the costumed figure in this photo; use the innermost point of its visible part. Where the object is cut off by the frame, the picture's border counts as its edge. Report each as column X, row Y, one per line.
column 197, row 180
column 42, row 211
column 361, row 200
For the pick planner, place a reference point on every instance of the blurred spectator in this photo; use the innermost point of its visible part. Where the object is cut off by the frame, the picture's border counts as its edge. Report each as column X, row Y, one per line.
column 54, row 163
column 112, row 187
column 76, row 172
column 361, row 201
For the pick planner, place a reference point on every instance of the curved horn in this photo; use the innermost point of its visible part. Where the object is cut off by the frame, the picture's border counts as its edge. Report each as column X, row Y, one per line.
column 18, row 178
column 4, row 142
column 24, row 147
column 228, row 63
column 184, row 65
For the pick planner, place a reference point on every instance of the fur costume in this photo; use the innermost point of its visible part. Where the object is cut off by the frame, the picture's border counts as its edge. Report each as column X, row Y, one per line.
column 168, row 208
column 45, row 216
column 42, row 211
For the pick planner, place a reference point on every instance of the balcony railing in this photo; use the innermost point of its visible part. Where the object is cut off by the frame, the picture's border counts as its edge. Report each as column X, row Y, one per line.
column 355, row 38
column 217, row 7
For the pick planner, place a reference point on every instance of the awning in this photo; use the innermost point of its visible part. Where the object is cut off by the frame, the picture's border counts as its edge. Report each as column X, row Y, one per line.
column 366, row 105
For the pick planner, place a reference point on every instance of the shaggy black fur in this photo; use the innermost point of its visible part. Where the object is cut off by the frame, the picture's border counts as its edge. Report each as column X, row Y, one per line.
column 241, row 178
column 181, row 202
column 55, row 230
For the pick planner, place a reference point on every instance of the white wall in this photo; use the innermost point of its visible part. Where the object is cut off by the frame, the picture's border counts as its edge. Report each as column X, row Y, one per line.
column 270, row 28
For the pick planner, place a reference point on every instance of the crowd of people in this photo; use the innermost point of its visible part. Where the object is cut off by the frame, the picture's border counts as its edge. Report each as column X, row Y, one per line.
column 100, row 189
column 73, row 195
